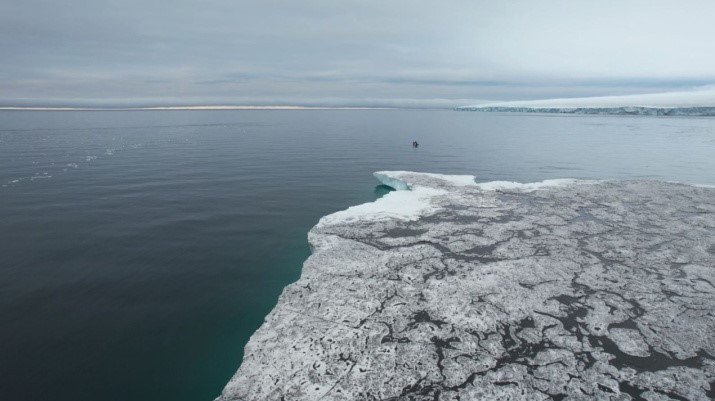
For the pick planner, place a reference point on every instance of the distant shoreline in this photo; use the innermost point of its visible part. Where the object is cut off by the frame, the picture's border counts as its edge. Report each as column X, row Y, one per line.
column 697, row 111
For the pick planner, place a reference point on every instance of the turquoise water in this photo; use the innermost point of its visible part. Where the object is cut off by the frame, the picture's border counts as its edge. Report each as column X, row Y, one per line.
column 140, row 250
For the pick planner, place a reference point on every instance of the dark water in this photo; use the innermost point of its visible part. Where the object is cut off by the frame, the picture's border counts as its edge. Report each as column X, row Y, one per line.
column 140, row 250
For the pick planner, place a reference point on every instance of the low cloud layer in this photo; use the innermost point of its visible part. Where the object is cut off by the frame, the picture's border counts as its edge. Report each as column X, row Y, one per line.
column 360, row 53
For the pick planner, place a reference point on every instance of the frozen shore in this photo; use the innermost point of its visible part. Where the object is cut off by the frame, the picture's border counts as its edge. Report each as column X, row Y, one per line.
column 626, row 110
column 449, row 290
column 697, row 102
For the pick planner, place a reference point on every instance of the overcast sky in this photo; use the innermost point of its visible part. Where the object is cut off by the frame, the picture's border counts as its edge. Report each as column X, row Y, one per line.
column 439, row 53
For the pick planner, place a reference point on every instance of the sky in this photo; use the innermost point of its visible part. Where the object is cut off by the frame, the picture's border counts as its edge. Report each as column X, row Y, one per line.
column 348, row 53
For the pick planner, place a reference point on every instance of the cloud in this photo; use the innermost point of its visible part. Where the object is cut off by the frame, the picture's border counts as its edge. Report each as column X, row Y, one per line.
column 223, row 50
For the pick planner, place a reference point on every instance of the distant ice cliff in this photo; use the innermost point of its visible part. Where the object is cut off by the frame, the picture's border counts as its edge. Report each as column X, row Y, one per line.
column 450, row 289
column 692, row 103
column 626, row 110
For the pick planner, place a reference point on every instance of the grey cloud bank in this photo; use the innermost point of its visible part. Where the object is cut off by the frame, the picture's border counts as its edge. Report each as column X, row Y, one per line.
column 368, row 53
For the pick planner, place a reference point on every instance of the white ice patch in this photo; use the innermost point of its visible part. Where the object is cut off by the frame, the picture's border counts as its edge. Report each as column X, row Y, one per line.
column 410, row 200
column 531, row 186
column 407, row 179
column 403, row 205
column 387, row 177
column 415, row 193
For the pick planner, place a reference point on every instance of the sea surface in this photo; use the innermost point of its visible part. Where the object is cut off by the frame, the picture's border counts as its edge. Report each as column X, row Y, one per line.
column 139, row 250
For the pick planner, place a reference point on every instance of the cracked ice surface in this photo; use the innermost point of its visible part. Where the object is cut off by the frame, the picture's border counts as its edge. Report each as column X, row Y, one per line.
column 565, row 290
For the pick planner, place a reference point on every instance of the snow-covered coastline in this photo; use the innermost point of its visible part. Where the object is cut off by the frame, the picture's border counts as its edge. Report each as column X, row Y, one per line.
column 628, row 110
column 450, row 289
column 700, row 102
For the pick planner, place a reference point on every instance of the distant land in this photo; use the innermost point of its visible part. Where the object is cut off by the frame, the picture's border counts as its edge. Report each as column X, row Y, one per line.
column 696, row 102
column 699, row 102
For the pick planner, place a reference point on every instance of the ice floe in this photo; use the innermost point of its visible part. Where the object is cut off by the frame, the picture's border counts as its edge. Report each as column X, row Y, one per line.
column 448, row 289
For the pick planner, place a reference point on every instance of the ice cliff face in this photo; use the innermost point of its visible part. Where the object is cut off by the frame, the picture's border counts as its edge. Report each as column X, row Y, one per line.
column 698, row 102
column 625, row 110
column 563, row 290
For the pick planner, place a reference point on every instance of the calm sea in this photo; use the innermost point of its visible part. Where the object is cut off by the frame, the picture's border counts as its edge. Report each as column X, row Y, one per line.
column 140, row 250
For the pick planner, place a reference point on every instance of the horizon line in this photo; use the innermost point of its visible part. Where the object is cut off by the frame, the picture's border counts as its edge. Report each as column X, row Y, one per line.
column 218, row 107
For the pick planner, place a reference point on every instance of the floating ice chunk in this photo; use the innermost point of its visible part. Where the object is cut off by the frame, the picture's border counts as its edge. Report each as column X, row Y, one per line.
column 38, row 176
